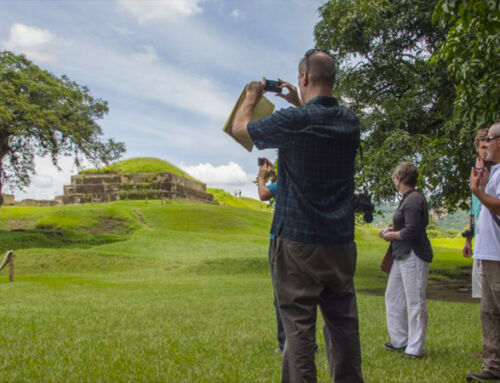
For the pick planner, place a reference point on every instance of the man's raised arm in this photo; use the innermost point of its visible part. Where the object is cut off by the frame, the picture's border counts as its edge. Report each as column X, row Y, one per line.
column 244, row 114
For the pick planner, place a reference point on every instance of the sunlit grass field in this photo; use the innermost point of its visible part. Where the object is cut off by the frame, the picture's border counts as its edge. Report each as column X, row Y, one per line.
column 180, row 292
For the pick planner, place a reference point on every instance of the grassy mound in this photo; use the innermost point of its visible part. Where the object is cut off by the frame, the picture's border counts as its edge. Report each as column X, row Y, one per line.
column 226, row 199
column 140, row 165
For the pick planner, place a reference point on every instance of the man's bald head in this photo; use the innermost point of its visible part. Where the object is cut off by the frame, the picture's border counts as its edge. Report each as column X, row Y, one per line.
column 320, row 68
column 494, row 144
column 495, row 129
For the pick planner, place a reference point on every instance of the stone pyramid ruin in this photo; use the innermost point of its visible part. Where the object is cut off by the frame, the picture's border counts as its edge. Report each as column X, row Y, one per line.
column 133, row 179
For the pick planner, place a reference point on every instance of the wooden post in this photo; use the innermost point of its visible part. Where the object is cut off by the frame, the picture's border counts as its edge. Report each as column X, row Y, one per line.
column 11, row 268
column 9, row 259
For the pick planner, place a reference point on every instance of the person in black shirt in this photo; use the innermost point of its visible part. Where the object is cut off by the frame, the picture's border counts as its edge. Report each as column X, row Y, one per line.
column 314, row 254
column 406, row 308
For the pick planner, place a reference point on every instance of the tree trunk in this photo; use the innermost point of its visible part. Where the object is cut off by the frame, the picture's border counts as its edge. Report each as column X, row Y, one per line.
column 4, row 150
column 1, row 181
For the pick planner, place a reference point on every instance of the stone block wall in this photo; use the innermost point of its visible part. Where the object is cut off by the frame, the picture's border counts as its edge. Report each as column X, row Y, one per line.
column 38, row 202
column 9, row 199
column 102, row 187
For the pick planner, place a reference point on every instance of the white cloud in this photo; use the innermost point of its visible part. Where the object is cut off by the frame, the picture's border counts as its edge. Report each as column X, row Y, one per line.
column 230, row 174
column 215, row 48
column 120, row 30
column 35, row 43
column 148, row 57
column 237, row 14
column 42, row 181
column 154, row 10
column 147, row 76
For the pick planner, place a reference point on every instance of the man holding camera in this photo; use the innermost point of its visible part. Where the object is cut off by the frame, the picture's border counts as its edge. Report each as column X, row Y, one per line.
column 314, row 254
column 481, row 147
column 486, row 187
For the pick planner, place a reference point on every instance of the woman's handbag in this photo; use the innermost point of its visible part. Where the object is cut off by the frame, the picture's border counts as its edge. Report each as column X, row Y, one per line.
column 386, row 264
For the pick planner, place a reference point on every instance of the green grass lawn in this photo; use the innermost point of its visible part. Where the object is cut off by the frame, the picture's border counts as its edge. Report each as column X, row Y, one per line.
column 180, row 292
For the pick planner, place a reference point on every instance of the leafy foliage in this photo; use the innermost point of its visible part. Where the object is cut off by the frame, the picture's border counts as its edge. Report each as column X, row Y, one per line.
column 472, row 54
column 404, row 103
column 41, row 114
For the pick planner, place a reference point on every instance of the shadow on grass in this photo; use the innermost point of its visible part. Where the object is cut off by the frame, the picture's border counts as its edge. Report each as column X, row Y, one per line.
column 51, row 237
column 48, row 262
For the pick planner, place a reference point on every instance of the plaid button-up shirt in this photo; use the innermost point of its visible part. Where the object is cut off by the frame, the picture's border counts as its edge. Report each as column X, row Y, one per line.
column 317, row 147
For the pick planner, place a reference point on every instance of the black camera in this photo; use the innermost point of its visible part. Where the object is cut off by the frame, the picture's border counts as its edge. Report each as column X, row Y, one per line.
column 469, row 233
column 363, row 204
column 273, row 86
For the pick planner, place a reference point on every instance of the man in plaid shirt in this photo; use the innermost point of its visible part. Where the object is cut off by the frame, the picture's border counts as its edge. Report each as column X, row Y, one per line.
column 314, row 254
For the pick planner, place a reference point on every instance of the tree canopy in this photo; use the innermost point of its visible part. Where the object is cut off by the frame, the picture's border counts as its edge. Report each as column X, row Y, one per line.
column 41, row 114
column 472, row 55
column 404, row 98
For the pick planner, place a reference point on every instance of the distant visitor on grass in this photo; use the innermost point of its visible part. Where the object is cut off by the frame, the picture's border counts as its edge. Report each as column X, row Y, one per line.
column 314, row 254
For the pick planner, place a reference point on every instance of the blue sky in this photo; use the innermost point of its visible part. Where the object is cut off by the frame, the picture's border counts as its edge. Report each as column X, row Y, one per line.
column 170, row 70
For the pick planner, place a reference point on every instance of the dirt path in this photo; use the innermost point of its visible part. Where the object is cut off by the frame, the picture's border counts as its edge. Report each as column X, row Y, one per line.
column 453, row 290
column 141, row 219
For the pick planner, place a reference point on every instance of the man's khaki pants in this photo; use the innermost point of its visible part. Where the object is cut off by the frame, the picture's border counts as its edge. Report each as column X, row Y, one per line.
column 305, row 276
column 490, row 316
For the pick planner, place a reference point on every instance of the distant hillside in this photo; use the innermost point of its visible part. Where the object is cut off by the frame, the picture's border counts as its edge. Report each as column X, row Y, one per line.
column 140, row 165
column 449, row 224
column 224, row 198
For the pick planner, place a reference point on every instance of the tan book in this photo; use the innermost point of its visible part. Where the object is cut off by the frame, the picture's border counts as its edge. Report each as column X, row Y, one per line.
column 263, row 109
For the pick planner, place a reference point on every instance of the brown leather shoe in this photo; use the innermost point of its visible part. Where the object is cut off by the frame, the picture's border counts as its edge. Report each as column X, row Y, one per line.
column 484, row 376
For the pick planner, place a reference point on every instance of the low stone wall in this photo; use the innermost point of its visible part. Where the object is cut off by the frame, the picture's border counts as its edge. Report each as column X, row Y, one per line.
column 99, row 187
column 38, row 202
column 9, row 199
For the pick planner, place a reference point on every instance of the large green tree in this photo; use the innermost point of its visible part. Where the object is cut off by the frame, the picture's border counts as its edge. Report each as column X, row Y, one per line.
column 41, row 114
column 472, row 55
column 405, row 102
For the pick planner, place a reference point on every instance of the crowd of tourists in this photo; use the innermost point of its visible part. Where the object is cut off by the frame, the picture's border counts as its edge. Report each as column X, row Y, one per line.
column 312, row 253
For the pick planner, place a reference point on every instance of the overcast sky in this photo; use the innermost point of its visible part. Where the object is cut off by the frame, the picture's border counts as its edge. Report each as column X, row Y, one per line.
column 171, row 71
